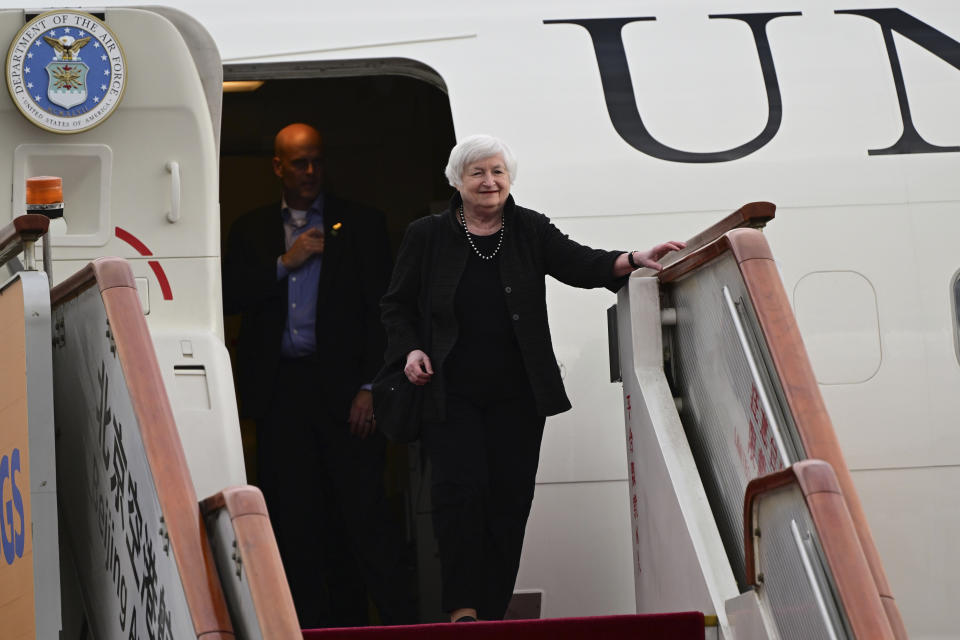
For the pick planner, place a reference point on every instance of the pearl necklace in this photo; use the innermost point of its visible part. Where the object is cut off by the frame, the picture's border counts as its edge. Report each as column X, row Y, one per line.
column 503, row 225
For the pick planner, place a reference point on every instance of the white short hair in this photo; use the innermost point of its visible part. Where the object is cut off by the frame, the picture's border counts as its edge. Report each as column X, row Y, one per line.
column 474, row 148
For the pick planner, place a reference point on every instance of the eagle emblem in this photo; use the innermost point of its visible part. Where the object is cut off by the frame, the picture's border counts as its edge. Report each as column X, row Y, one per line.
column 66, row 47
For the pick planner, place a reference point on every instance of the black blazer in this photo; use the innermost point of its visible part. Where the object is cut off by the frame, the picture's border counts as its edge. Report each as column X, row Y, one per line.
column 532, row 248
column 350, row 338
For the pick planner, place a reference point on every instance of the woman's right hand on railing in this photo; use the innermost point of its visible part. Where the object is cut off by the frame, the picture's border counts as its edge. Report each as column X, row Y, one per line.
column 418, row 368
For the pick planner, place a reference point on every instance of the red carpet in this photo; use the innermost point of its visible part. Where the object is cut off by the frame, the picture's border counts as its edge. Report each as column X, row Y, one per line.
column 665, row 626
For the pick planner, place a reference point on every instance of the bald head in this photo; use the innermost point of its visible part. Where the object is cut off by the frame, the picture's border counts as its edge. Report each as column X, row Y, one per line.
column 298, row 163
column 294, row 135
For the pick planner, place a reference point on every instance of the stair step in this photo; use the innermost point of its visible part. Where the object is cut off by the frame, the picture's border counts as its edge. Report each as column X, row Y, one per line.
column 666, row 626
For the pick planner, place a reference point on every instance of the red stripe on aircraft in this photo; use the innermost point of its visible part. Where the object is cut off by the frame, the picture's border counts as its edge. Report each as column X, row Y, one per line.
column 162, row 278
column 133, row 241
column 142, row 249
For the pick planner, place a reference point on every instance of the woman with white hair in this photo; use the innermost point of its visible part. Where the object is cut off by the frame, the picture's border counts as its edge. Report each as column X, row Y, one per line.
column 490, row 372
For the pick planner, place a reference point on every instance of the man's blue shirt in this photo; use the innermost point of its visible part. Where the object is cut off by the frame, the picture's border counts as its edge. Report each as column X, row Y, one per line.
column 299, row 336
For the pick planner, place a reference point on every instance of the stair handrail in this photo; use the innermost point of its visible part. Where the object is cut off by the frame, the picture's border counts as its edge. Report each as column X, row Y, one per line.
column 182, row 522
column 20, row 235
column 753, row 215
column 251, row 571
column 790, row 361
column 838, row 538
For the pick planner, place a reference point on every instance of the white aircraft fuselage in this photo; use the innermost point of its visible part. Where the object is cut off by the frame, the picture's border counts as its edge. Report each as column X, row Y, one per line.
column 633, row 122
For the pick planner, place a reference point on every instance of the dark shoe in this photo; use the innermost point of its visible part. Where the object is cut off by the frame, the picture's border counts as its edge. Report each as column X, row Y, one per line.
column 466, row 619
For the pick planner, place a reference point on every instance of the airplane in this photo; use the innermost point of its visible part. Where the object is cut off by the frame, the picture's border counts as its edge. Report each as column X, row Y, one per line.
column 630, row 121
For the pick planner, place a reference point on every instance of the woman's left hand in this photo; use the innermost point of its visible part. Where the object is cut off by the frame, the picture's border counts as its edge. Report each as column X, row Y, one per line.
column 650, row 257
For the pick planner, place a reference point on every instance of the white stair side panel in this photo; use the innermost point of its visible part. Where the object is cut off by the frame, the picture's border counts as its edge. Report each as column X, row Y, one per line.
column 679, row 559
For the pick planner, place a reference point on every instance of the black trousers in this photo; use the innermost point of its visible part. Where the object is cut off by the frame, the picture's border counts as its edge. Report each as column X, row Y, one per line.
column 325, row 496
column 484, row 459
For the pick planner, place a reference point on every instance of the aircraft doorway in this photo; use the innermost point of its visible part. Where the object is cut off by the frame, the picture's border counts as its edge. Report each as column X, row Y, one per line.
column 386, row 141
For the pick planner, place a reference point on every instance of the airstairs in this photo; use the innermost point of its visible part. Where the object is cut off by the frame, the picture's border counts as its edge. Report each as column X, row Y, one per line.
column 743, row 511
column 131, row 552
column 741, row 503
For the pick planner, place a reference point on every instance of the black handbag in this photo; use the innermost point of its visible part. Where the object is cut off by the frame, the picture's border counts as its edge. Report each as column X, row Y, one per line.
column 397, row 402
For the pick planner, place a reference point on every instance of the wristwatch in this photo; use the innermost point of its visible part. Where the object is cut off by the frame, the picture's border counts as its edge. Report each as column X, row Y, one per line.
column 632, row 263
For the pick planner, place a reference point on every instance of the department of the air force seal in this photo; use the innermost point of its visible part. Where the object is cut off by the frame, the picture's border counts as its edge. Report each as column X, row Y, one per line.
column 65, row 71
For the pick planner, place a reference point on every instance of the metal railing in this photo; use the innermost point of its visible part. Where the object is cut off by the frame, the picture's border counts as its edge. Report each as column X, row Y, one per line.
column 804, row 558
column 749, row 402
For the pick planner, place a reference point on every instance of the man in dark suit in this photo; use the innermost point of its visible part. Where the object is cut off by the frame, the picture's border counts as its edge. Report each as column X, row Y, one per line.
column 307, row 275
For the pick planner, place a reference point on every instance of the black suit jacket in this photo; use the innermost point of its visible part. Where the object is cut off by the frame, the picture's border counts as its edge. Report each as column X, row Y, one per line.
column 532, row 249
column 350, row 338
